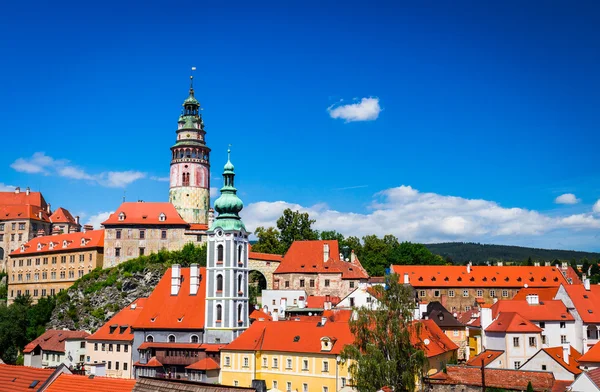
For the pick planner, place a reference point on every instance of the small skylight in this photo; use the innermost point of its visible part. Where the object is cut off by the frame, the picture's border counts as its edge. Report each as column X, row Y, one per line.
column 33, row 384
column 590, row 311
column 296, row 338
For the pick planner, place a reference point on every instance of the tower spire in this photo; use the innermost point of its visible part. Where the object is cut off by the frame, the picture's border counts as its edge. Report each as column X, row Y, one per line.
column 228, row 205
column 192, row 81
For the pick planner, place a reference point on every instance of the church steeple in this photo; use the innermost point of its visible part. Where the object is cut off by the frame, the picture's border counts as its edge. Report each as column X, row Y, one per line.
column 228, row 205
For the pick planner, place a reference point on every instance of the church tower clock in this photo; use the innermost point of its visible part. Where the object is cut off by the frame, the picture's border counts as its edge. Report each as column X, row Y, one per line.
column 189, row 189
column 227, row 303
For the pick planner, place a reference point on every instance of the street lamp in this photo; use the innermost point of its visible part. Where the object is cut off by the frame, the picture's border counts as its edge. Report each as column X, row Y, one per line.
column 338, row 359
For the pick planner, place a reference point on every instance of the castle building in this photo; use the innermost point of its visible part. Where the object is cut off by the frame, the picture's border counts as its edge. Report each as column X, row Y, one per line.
column 227, row 267
column 190, row 168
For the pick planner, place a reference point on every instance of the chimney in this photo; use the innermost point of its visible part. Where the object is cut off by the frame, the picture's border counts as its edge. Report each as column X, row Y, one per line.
column 325, row 252
column 566, row 349
column 485, row 318
column 87, row 228
column 48, row 209
column 533, row 299
column 406, row 278
column 194, row 279
column 586, row 284
column 175, row 279
column 40, row 214
column 565, row 265
column 469, row 267
column 323, row 321
column 77, row 219
column 352, row 257
column 301, row 302
column 275, row 316
column 536, row 263
column 18, row 190
column 40, row 233
column 56, row 230
column 499, row 263
column 27, row 191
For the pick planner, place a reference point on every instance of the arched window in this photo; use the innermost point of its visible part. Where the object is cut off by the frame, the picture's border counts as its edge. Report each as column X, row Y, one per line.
column 171, row 338
column 194, row 339
column 220, row 253
column 219, row 282
column 150, row 338
column 592, row 332
column 219, row 313
column 185, row 179
column 240, row 283
column 240, row 312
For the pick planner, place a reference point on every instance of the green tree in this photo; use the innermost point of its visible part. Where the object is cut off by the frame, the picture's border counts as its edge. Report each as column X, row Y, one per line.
column 382, row 353
column 268, row 241
column 295, row 226
column 189, row 254
column 374, row 255
column 529, row 261
column 585, row 268
column 529, row 387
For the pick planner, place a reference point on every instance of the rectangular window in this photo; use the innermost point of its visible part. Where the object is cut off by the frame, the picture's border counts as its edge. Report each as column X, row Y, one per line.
column 103, row 347
column 117, row 252
column 436, row 293
column 12, row 237
column 274, row 384
column 542, row 324
column 43, row 292
column 80, row 273
column 35, row 292
column 351, row 284
column 543, row 367
column 37, row 261
column 305, row 364
column 109, row 365
column 71, row 274
column 517, row 364
column 118, row 234
column 351, row 302
column 45, row 260
column 465, row 293
column 236, row 383
column 53, row 275
column 288, row 363
column 543, row 339
column 125, row 366
column 312, row 283
column 563, row 324
column 504, row 293
column 142, row 234
column 492, row 293
column 1, row 226
column 480, row 293
column 455, row 332
column 287, row 284
column 343, row 382
column 227, row 361
column 125, row 348
column 82, row 345
column 72, row 258
column 515, row 342
column 246, row 362
column 81, row 358
column 532, row 342
column 422, row 293
column 275, row 363
column 21, row 226
column 52, row 291
column 118, row 348
column 450, row 293
column 326, row 282
column 563, row 339
column 53, row 259
column 20, row 237
column 81, row 258
column 301, row 282
column 163, row 234
column 63, row 259
column 288, row 386
column 142, row 251
column 265, row 362
column 325, row 389
column 325, row 366
column 304, row 387
column 116, row 365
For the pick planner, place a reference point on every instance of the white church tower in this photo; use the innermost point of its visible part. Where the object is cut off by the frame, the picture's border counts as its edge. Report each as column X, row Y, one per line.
column 227, row 305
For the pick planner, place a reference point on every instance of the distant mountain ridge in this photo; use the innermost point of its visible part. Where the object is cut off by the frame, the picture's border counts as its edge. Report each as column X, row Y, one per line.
column 462, row 252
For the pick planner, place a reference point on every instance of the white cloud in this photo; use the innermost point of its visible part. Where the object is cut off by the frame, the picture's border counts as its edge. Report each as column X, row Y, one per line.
column 40, row 163
column 429, row 217
column 97, row 219
column 596, row 207
column 6, row 188
column 162, row 179
column 366, row 110
column 567, row 198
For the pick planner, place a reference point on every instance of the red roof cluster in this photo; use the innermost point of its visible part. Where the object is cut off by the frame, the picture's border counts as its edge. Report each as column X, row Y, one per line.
column 481, row 276
column 587, row 302
column 76, row 383
column 512, row 322
column 118, row 328
column 496, row 378
column 430, row 338
column 307, row 257
column 182, row 311
column 552, row 310
column 592, row 355
column 145, row 213
column 22, row 378
column 62, row 242
column 54, row 340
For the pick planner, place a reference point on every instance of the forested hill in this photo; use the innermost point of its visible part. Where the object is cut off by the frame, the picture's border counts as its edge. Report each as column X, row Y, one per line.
column 462, row 252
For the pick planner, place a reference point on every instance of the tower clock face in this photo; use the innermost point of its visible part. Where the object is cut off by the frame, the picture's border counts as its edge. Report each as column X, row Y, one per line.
column 219, row 233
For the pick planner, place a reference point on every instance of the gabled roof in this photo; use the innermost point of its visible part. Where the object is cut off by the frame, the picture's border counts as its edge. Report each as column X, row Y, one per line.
column 20, row 378
column 204, row 364
column 594, row 376
column 307, row 257
column 512, row 322
column 62, row 243
column 431, row 339
column 592, row 355
column 293, row 336
column 62, row 215
column 15, row 212
column 441, row 316
column 486, row 356
column 556, row 353
column 258, row 314
column 54, row 340
column 145, row 213
column 118, row 328
column 543, row 293
column 553, row 310
column 481, row 276
column 172, row 312
column 33, row 198
column 587, row 302
column 76, row 383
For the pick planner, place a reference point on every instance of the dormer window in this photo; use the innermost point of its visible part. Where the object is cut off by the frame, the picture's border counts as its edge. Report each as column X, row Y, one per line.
column 326, row 344
column 122, row 216
column 162, row 217
column 22, row 248
column 83, row 242
column 64, row 243
column 52, row 245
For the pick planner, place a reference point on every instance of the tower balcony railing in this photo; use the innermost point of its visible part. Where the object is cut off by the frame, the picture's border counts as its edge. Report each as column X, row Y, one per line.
column 189, row 160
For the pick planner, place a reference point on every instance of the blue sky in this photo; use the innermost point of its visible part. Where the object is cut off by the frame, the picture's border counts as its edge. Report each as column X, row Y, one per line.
column 468, row 119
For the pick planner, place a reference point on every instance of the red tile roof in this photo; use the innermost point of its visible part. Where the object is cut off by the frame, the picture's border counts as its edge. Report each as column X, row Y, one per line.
column 62, row 215
column 592, row 355
column 153, row 362
column 561, row 385
column 264, row 256
column 76, row 383
column 430, row 338
column 144, row 213
column 212, row 348
column 318, row 301
column 553, row 310
column 487, row 357
column 13, row 198
column 204, row 364
column 292, row 336
column 481, row 276
column 182, row 311
column 586, row 302
column 556, row 353
column 258, row 314
column 512, row 322
column 19, row 378
column 307, row 257
column 54, row 243
column 543, row 293
column 594, row 375
column 14, row 212
column 198, row 226
column 496, row 378
column 118, row 328
column 54, row 340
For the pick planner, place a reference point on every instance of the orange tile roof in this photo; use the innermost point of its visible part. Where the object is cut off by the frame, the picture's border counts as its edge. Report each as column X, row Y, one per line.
column 512, row 322
column 118, row 328
column 592, row 355
column 54, row 340
column 76, row 383
column 553, row 310
column 594, row 375
column 318, row 301
column 212, row 348
column 15, row 212
column 586, row 302
column 93, row 239
column 543, row 293
column 153, row 362
column 145, row 213
column 258, row 314
column 486, row 356
column 264, row 256
column 556, row 353
column 307, row 257
column 480, row 276
column 12, row 198
column 198, row 226
column 292, row 336
column 204, row 364
column 430, row 338
column 19, row 378
column 62, row 215
column 182, row 311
